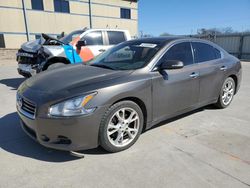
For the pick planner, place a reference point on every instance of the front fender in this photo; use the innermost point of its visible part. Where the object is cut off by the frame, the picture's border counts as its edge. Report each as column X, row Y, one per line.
column 134, row 89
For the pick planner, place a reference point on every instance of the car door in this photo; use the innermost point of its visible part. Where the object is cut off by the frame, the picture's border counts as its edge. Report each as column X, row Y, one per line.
column 211, row 68
column 175, row 90
column 94, row 43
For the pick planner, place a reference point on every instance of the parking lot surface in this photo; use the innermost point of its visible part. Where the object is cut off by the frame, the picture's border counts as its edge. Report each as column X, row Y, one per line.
column 205, row 148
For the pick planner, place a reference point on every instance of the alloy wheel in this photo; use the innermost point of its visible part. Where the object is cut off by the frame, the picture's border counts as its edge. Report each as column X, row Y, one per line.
column 228, row 92
column 123, row 127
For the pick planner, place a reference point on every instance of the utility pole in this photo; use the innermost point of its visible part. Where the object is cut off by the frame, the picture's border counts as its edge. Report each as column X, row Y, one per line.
column 90, row 15
column 26, row 21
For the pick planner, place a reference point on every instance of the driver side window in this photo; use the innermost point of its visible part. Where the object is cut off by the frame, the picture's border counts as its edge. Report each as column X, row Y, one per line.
column 181, row 52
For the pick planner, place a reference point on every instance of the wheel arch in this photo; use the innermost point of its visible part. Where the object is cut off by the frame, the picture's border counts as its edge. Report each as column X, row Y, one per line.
column 140, row 103
column 234, row 77
column 55, row 60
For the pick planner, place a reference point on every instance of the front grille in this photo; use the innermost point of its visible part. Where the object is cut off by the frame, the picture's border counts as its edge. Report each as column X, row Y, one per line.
column 23, row 59
column 26, row 60
column 29, row 108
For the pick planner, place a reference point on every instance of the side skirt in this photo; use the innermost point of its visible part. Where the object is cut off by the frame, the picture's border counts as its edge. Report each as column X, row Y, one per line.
column 157, row 121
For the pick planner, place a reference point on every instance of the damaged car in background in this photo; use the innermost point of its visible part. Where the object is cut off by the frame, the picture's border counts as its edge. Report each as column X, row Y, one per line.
column 78, row 46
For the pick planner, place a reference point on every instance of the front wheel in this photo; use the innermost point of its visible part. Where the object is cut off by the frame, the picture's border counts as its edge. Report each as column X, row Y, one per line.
column 121, row 126
column 226, row 93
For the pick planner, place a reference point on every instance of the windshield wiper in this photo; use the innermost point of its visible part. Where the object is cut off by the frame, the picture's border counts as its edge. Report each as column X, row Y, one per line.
column 102, row 66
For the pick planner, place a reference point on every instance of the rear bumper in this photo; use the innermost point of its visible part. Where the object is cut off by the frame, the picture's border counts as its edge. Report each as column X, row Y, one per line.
column 70, row 134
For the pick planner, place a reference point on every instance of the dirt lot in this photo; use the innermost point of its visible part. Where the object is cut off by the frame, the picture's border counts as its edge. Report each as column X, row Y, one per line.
column 205, row 148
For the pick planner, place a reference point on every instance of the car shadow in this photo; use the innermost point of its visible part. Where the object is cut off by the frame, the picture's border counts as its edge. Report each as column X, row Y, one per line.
column 14, row 140
column 208, row 107
column 12, row 82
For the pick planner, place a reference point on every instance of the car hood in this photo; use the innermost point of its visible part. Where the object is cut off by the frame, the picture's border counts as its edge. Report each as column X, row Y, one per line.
column 72, row 77
column 32, row 46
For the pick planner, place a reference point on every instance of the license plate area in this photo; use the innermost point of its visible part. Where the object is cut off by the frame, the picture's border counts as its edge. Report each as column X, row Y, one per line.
column 25, row 67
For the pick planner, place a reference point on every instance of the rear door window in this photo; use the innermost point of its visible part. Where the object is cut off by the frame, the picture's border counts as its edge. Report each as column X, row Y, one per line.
column 93, row 38
column 181, row 52
column 205, row 52
column 116, row 37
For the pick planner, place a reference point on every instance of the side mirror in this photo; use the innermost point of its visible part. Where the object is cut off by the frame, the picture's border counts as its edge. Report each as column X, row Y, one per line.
column 80, row 43
column 171, row 64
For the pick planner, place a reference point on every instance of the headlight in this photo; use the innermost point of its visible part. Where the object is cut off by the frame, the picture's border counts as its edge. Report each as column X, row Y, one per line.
column 72, row 107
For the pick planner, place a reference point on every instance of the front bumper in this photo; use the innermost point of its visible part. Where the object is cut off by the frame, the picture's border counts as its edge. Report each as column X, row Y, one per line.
column 71, row 134
column 27, row 70
column 29, row 63
column 26, row 74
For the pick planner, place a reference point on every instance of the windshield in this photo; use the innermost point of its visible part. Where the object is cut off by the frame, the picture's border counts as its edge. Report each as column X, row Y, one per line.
column 128, row 55
column 68, row 38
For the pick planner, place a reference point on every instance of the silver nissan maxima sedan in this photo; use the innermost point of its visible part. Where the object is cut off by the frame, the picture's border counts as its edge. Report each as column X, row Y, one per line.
column 125, row 90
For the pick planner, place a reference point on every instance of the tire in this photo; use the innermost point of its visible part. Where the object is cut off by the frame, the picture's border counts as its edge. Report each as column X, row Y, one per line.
column 113, row 125
column 55, row 65
column 226, row 94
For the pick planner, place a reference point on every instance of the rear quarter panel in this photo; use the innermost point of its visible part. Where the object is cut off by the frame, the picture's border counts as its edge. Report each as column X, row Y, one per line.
column 235, row 69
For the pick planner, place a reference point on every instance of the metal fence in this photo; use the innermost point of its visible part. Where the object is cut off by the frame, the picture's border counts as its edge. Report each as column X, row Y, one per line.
column 236, row 44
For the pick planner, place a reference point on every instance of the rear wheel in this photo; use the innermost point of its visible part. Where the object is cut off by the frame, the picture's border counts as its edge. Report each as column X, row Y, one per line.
column 121, row 126
column 55, row 65
column 226, row 93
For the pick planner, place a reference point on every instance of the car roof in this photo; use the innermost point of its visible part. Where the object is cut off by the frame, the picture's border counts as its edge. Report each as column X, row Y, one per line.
column 159, row 39
column 168, row 39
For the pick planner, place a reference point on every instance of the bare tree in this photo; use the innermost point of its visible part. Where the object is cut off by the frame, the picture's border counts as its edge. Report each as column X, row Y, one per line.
column 227, row 30
column 165, row 34
column 211, row 31
column 216, row 31
column 145, row 35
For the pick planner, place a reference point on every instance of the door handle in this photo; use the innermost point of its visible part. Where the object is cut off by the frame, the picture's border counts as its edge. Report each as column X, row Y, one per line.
column 223, row 68
column 194, row 75
column 102, row 50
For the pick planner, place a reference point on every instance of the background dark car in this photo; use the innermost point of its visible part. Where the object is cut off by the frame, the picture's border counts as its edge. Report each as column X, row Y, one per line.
column 130, row 87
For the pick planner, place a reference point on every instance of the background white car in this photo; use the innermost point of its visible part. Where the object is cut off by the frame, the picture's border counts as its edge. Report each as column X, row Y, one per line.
column 78, row 46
